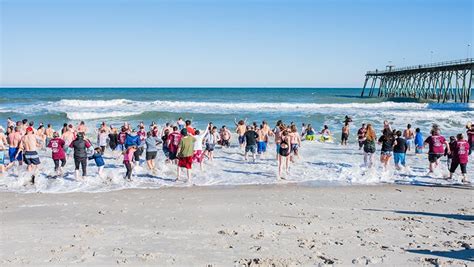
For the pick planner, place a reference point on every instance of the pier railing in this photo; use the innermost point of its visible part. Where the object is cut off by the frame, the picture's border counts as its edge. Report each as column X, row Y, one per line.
column 425, row 66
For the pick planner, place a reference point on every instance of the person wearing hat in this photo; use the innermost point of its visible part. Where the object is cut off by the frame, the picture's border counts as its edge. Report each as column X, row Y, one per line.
column 58, row 154
column 80, row 146
column 185, row 153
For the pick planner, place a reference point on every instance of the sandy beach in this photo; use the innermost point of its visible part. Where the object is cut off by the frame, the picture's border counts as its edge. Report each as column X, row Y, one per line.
column 274, row 224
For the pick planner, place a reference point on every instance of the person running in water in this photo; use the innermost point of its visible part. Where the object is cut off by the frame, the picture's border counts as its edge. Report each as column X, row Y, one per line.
column 240, row 130
column 29, row 145
column 68, row 136
column 436, row 143
column 57, row 150
column 250, row 137
column 14, row 141
column 295, row 142
column 460, row 158
column 386, row 140
column 225, row 136
column 399, row 151
column 198, row 155
column 470, row 137
column 49, row 134
column 262, row 141
column 369, row 146
column 284, row 153
column 128, row 158
column 80, row 146
column 409, row 136
column 419, row 143
column 173, row 142
column 99, row 160
column 345, row 134
column 151, row 151
column 211, row 139
column 361, row 135
column 185, row 154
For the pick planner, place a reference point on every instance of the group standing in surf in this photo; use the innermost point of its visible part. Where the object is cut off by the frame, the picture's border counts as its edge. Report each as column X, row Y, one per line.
column 184, row 146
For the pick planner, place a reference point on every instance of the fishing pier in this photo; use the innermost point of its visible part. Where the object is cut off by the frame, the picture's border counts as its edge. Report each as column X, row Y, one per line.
column 443, row 81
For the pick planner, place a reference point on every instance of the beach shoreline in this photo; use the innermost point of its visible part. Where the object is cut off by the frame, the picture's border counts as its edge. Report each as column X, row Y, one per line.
column 267, row 224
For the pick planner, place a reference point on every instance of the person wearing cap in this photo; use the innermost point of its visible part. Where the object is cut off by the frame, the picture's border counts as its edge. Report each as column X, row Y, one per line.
column 29, row 145
column 57, row 149
column 185, row 153
column 80, row 146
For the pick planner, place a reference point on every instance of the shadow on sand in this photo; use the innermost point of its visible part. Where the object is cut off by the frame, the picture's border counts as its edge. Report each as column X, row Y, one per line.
column 464, row 254
column 421, row 213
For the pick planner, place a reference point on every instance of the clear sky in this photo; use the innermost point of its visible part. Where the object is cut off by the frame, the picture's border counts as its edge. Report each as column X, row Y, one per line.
column 226, row 42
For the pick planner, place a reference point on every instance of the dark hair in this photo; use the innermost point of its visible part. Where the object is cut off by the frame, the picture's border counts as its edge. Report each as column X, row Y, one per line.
column 175, row 128
column 460, row 136
column 184, row 132
column 417, row 130
column 399, row 133
column 188, row 122
column 197, row 132
column 409, row 126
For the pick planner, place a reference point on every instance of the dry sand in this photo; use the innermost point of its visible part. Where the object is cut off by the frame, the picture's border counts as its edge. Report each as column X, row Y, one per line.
column 280, row 224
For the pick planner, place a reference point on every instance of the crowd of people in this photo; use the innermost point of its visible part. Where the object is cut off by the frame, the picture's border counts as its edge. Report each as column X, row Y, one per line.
column 183, row 145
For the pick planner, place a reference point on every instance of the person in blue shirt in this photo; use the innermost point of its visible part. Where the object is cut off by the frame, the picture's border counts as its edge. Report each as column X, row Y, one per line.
column 418, row 141
column 99, row 160
column 133, row 139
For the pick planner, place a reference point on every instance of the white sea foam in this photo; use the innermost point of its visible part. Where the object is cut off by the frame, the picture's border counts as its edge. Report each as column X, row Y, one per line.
column 98, row 115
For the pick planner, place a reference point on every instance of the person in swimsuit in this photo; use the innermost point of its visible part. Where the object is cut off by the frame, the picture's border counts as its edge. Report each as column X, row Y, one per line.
column 225, row 136
column 310, row 133
column 345, row 134
column 409, row 136
column 240, row 130
column 49, row 134
column 325, row 134
column 361, row 136
column 284, row 153
column 13, row 152
column 29, row 145
column 262, row 141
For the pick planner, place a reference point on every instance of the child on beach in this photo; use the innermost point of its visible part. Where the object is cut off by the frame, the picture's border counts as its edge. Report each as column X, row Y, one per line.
column 99, row 160
column 128, row 158
column 452, row 145
column 418, row 141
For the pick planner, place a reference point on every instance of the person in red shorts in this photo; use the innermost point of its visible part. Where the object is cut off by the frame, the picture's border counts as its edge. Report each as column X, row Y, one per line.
column 185, row 153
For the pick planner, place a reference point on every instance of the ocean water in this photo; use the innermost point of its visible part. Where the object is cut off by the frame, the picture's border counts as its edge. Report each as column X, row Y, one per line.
column 318, row 106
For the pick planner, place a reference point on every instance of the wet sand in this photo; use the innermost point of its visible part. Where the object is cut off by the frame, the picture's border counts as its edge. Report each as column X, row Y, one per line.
column 275, row 224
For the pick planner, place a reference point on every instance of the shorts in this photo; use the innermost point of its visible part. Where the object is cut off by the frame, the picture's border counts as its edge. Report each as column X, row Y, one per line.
column 197, row 156
column 2, row 157
column 261, row 147
column 172, row 155
column 12, row 152
column 31, row 158
column 225, row 143
column 166, row 151
column 344, row 137
column 432, row 158
column 399, row 158
column 410, row 142
column 210, row 147
column 251, row 148
column 454, row 166
column 310, row 137
column 151, row 155
column 120, row 147
column 241, row 139
column 278, row 148
column 185, row 162
column 294, row 148
column 419, row 150
column 361, row 143
column 386, row 153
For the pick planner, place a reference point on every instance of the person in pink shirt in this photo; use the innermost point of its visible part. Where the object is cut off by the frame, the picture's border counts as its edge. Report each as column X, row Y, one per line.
column 436, row 143
column 460, row 157
column 128, row 158
column 56, row 144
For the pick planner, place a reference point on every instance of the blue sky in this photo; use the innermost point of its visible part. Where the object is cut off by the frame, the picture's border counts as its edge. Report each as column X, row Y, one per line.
column 224, row 43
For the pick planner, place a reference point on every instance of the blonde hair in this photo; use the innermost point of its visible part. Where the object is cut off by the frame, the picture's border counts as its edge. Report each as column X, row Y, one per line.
column 370, row 134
